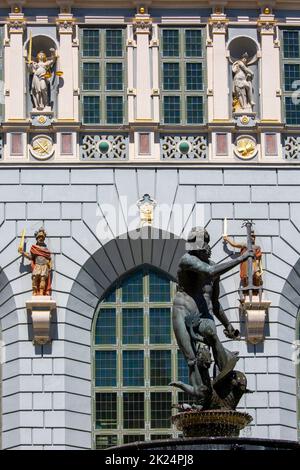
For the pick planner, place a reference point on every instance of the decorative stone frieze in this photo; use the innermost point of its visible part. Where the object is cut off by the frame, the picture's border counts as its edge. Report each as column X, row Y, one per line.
column 291, row 147
column 104, row 147
column 177, row 147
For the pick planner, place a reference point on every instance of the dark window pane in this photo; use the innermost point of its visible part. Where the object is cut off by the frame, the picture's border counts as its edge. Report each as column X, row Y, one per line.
column 114, row 109
column 114, row 43
column 133, row 325
column 171, row 74
column 129, row 438
column 159, row 287
column 105, row 331
column 291, row 74
column 194, row 109
column 159, row 437
column 193, row 43
column 194, row 76
column 114, row 76
column 292, row 112
column 103, row 442
column 160, row 325
column 91, row 109
column 172, row 109
column 133, row 410
column 106, row 369
column 161, row 403
column 110, row 296
column 91, row 76
column 182, row 368
column 132, row 288
column 170, row 43
column 291, row 44
column 160, row 367
column 133, row 368
column 91, row 43
column 106, row 411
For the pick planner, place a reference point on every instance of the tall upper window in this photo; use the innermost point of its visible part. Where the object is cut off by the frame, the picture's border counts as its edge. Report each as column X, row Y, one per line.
column 135, row 358
column 291, row 74
column 182, row 76
column 103, row 76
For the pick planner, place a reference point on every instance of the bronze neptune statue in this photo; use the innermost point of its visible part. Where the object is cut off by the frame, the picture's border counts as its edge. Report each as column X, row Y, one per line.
column 195, row 305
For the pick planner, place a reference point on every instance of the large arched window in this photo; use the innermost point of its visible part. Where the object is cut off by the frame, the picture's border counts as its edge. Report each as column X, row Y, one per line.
column 135, row 357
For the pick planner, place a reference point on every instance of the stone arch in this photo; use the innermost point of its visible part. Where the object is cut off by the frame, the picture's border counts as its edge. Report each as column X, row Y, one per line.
column 154, row 247
column 289, row 306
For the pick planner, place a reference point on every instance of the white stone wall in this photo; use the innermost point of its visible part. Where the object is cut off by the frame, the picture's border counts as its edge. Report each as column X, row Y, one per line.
column 47, row 391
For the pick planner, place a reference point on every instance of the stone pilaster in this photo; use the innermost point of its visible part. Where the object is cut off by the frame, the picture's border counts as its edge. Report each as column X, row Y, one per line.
column 219, row 76
column 14, row 67
column 270, row 70
column 142, row 28
column 68, row 63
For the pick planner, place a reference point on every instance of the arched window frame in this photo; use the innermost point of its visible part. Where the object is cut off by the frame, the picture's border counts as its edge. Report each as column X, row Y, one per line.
column 116, row 436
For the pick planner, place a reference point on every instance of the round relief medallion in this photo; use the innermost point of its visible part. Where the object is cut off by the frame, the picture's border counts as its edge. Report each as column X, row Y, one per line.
column 245, row 147
column 42, row 147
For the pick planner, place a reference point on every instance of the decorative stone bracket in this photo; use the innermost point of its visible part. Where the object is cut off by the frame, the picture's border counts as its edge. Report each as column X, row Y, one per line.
column 40, row 309
column 255, row 315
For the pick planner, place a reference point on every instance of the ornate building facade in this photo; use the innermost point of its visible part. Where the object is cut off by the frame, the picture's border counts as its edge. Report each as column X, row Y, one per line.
column 123, row 125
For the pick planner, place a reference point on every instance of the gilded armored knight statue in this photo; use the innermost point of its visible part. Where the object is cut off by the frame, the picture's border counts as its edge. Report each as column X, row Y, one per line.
column 195, row 305
column 40, row 258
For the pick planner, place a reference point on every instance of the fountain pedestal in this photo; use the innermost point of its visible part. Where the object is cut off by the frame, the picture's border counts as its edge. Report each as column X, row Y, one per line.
column 211, row 423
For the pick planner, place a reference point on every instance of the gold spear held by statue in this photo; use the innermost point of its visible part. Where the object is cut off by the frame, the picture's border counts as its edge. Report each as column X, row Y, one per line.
column 30, row 48
column 22, row 241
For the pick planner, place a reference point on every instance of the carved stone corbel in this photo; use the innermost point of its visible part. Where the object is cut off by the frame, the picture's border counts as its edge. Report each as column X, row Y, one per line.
column 255, row 313
column 40, row 309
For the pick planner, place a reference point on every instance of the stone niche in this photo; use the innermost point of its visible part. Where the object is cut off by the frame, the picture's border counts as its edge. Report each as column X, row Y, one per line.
column 34, row 44
column 237, row 47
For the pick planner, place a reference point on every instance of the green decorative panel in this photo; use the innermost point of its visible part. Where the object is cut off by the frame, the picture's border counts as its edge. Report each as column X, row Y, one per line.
column 291, row 147
column 181, row 147
column 104, row 147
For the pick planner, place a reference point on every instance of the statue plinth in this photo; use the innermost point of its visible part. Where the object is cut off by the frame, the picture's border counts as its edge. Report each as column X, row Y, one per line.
column 245, row 118
column 211, row 423
column 42, row 118
column 40, row 308
column 255, row 312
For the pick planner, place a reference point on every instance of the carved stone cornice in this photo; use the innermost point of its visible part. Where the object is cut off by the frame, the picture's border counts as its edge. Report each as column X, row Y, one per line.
column 142, row 24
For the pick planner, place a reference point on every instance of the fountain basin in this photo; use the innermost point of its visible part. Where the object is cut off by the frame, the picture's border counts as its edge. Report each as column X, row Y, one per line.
column 211, row 423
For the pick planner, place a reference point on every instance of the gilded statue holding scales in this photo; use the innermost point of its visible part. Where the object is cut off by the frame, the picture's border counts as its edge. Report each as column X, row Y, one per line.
column 41, row 70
